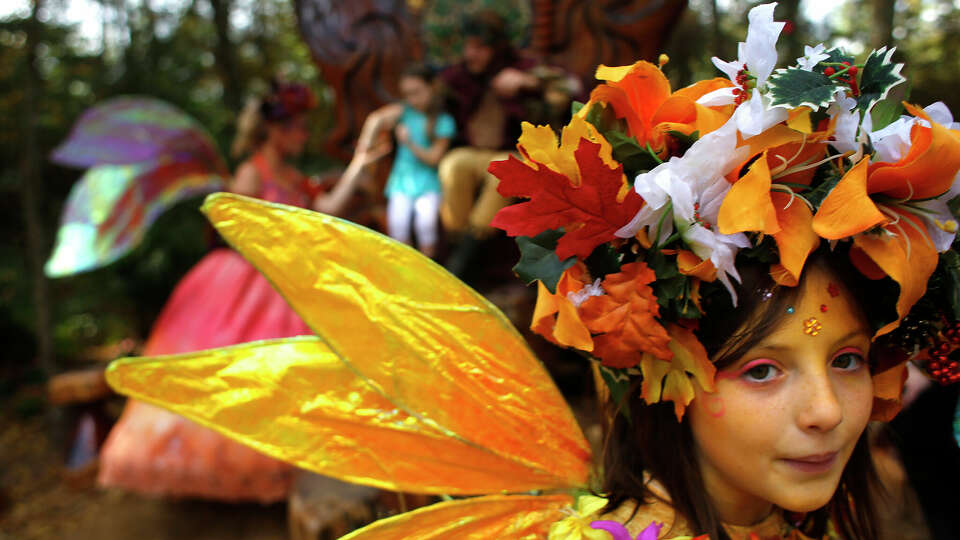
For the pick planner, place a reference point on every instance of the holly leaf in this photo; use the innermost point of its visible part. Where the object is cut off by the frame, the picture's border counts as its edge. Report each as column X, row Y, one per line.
column 837, row 55
column 590, row 213
column 877, row 77
column 538, row 259
column 794, row 87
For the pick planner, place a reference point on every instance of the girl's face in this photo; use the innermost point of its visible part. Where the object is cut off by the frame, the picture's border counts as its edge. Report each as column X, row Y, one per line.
column 416, row 92
column 289, row 137
column 786, row 416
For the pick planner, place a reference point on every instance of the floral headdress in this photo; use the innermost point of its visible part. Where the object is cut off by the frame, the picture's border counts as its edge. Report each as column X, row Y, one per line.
column 652, row 197
column 287, row 100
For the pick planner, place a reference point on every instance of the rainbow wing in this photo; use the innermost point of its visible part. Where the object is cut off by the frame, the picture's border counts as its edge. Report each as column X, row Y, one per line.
column 469, row 409
column 135, row 129
column 110, row 209
column 144, row 156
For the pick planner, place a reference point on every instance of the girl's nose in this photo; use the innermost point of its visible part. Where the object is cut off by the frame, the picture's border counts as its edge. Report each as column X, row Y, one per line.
column 819, row 409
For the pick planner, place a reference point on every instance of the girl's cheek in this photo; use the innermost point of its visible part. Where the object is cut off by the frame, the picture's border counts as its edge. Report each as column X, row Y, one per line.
column 714, row 406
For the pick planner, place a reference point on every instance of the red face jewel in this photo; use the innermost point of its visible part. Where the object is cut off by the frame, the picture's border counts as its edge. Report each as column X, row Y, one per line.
column 823, row 308
column 833, row 290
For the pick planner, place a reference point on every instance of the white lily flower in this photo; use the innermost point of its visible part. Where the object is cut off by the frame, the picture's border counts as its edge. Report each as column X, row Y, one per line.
column 695, row 186
column 811, row 57
column 758, row 56
column 893, row 142
column 844, row 109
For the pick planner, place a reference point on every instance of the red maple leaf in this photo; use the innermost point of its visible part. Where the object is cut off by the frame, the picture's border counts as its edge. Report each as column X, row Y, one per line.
column 589, row 213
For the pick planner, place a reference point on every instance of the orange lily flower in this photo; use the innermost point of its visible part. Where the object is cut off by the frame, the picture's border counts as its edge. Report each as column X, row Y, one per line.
column 879, row 195
column 756, row 203
column 641, row 95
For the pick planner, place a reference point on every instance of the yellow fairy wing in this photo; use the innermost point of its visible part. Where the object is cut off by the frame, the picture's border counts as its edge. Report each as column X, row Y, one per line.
column 505, row 517
column 295, row 400
column 436, row 350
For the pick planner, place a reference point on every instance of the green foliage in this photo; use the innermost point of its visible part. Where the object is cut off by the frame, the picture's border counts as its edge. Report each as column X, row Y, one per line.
column 885, row 112
column 877, row 77
column 626, row 149
column 539, row 261
column 795, row 87
column 618, row 381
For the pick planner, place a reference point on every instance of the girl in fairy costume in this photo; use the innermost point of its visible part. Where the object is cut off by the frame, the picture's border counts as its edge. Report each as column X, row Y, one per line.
column 747, row 270
column 224, row 300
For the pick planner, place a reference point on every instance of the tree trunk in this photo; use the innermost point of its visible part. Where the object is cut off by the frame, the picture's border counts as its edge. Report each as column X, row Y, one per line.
column 31, row 184
column 882, row 23
column 224, row 53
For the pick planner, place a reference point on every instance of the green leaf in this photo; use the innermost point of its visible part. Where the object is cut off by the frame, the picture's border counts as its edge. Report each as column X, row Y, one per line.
column 794, row 87
column 538, row 259
column 824, row 187
column 575, row 108
column 618, row 381
column 885, row 112
column 682, row 141
column 626, row 150
column 877, row 77
column 604, row 260
column 836, row 55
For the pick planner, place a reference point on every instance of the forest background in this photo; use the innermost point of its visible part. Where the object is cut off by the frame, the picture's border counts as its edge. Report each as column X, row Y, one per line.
column 207, row 57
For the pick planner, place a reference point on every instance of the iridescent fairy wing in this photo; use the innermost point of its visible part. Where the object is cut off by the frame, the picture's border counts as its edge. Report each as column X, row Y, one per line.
column 110, row 209
column 437, row 390
column 136, row 129
column 145, row 156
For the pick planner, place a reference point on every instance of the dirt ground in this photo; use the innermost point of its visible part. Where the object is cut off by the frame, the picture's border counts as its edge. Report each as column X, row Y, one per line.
column 37, row 502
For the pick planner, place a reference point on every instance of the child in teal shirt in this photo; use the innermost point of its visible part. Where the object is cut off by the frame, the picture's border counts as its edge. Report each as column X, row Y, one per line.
column 423, row 135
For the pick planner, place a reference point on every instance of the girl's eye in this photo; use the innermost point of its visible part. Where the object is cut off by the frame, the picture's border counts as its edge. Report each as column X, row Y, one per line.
column 761, row 373
column 848, row 361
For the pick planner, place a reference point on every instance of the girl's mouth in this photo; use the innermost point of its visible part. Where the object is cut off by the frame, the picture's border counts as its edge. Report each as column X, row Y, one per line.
column 812, row 464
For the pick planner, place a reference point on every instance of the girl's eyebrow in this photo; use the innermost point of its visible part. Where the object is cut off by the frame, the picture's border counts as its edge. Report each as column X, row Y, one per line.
column 775, row 347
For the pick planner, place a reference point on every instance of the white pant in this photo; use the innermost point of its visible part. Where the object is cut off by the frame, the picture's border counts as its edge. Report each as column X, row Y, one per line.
column 423, row 210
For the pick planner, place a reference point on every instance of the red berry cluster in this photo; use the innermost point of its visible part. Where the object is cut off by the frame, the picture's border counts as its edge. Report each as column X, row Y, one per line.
column 741, row 94
column 940, row 366
column 850, row 78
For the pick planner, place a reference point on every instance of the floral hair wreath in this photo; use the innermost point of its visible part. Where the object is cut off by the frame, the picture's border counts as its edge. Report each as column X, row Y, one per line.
column 650, row 196
column 286, row 100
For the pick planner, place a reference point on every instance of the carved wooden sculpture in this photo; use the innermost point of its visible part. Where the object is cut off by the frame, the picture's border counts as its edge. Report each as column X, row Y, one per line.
column 362, row 46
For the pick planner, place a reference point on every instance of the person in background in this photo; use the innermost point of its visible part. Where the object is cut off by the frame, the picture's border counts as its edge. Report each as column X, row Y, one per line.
column 491, row 91
column 423, row 134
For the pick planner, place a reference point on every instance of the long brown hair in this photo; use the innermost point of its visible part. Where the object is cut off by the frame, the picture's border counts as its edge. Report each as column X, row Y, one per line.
column 651, row 441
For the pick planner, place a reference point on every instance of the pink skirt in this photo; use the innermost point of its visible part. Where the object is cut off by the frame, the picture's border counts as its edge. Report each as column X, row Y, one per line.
column 222, row 301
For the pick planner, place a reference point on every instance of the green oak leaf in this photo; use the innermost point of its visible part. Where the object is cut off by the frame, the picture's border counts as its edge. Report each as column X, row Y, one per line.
column 538, row 259
column 877, row 77
column 794, row 87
